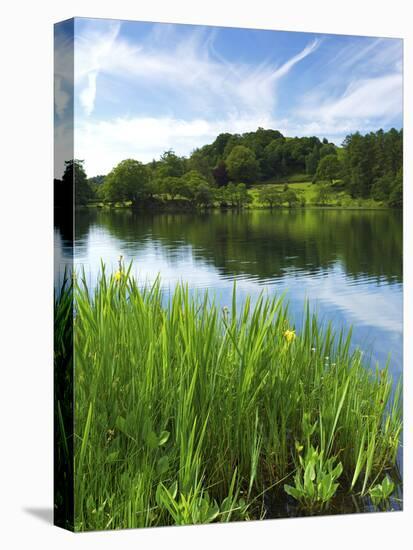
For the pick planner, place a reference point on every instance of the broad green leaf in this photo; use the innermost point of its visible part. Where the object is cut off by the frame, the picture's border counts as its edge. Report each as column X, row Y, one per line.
column 292, row 491
column 112, row 457
column 163, row 438
column 152, row 440
column 162, row 465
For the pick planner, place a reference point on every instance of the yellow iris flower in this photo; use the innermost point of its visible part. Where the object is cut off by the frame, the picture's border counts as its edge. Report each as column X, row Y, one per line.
column 289, row 335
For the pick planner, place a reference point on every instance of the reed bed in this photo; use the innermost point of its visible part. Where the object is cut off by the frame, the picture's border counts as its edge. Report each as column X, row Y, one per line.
column 186, row 412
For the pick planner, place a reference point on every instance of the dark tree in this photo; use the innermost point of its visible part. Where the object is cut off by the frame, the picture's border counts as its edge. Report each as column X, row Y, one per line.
column 396, row 193
column 311, row 161
column 220, row 174
column 75, row 175
column 372, row 163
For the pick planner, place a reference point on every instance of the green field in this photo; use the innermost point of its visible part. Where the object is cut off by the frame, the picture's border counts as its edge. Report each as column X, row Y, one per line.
column 307, row 194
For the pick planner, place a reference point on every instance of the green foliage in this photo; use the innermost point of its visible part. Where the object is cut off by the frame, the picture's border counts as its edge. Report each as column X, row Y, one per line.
column 170, row 165
column 194, row 187
column 193, row 508
column 327, row 149
column 290, row 197
column 396, row 193
column 270, row 196
column 382, row 491
column 329, row 168
column 170, row 186
column 197, row 161
column 96, row 180
column 197, row 507
column 371, row 161
column 128, row 181
column 236, row 196
column 369, row 167
column 311, row 161
column 382, row 186
column 315, row 479
column 63, row 405
column 204, row 195
column 323, row 195
column 181, row 407
column 242, row 164
column 273, row 155
column 75, row 175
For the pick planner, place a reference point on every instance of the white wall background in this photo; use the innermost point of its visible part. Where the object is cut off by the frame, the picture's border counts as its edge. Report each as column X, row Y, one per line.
column 26, row 271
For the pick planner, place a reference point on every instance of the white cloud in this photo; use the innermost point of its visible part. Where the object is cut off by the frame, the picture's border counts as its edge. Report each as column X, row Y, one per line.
column 286, row 67
column 88, row 94
column 190, row 67
column 360, row 89
column 181, row 93
column 215, row 95
column 105, row 143
column 379, row 97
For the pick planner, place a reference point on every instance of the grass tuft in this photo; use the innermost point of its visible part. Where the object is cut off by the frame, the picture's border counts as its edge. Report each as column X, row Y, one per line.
column 189, row 413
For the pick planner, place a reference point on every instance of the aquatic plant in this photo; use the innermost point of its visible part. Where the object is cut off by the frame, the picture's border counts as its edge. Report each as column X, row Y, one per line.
column 315, row 479
column 382, row 491
column 186, row 413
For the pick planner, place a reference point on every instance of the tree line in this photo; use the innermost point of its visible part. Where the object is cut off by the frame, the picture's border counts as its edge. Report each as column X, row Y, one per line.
column 367, row 166
column 373, row 166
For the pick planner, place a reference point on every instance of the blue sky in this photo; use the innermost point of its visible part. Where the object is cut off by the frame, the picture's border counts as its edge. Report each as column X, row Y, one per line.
column 142, row 88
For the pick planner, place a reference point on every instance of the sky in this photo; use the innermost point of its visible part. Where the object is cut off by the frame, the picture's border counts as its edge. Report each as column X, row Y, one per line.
column 143, row 88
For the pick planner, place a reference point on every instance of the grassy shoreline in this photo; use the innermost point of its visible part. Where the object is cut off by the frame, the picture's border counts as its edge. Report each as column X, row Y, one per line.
column 189, row 413
column 171, row 208
column 306, row 193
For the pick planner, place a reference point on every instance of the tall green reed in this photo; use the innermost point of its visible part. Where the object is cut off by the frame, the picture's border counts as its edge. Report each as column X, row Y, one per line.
column 187, row 412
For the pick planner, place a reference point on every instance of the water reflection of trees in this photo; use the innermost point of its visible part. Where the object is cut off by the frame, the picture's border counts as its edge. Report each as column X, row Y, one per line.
column 264, row 244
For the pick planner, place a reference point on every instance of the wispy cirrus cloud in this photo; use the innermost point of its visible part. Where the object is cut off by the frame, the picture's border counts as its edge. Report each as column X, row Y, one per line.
column 362, row 88
column 190, row 68
column 363, row 100
column 143, row 88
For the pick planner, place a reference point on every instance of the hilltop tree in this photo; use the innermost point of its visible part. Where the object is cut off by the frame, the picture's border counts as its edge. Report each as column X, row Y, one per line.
column 242, row 164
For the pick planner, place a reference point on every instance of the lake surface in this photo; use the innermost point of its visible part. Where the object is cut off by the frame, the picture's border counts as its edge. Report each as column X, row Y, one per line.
column 347, row 263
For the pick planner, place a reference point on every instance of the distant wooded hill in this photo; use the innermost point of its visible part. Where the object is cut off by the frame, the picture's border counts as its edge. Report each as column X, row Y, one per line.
column 366, row 166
